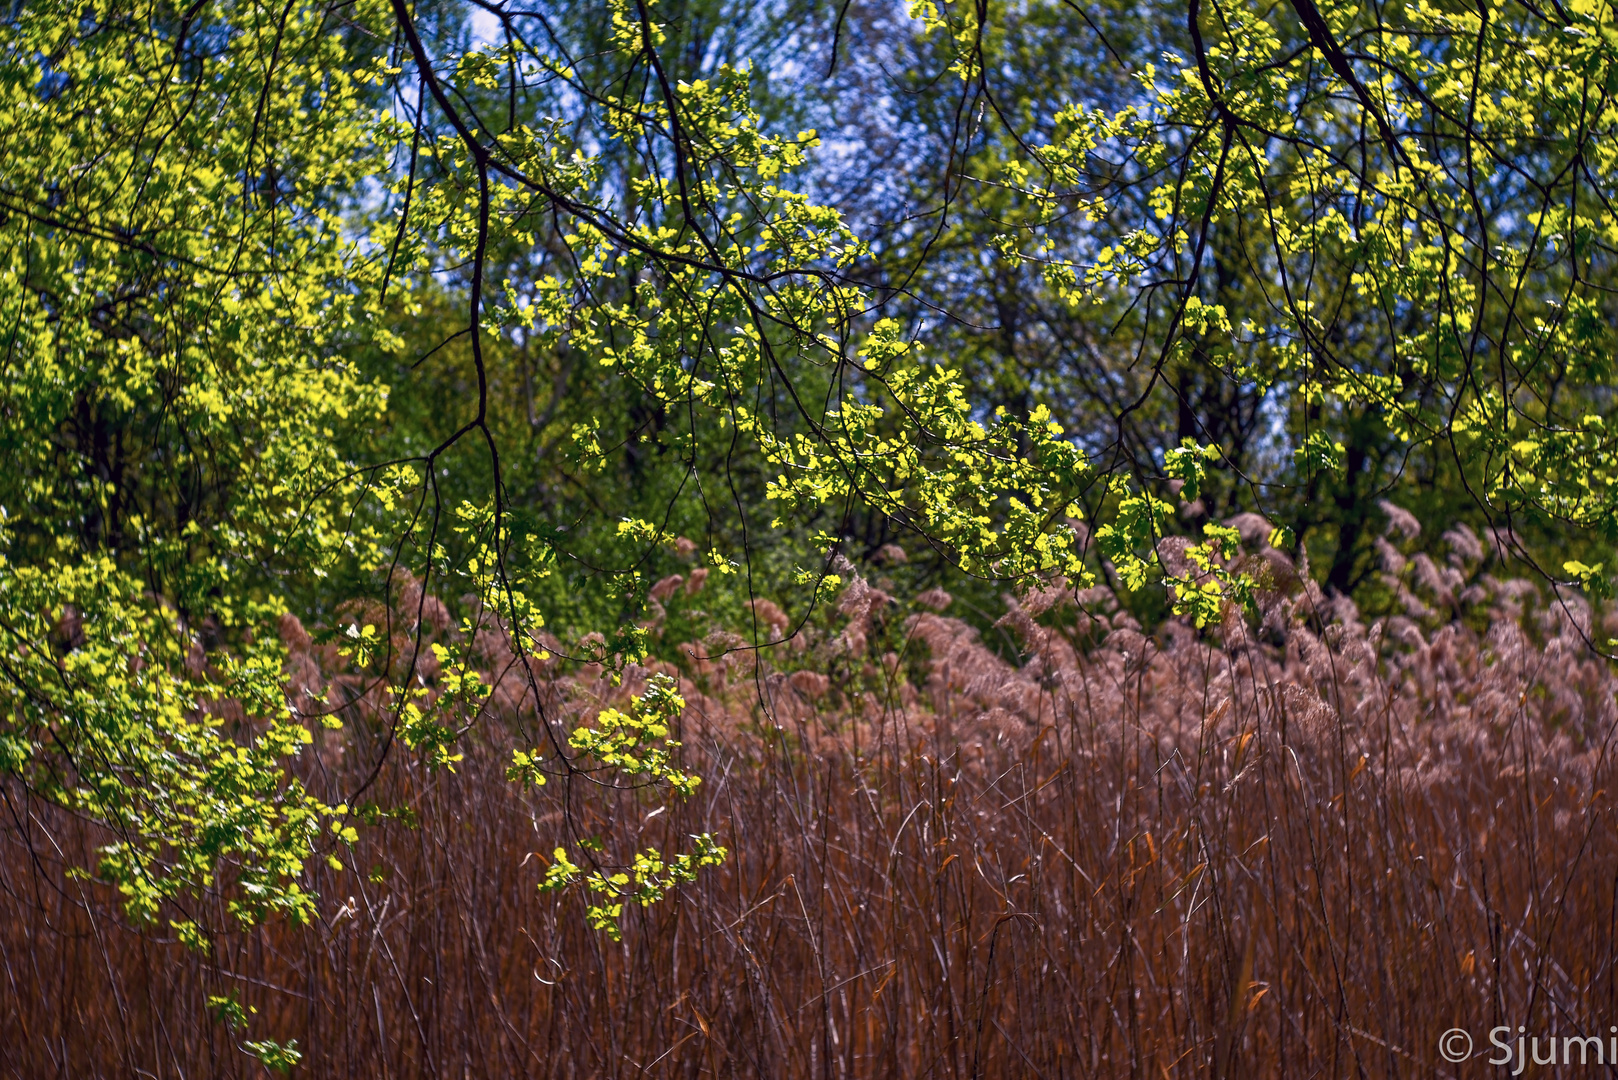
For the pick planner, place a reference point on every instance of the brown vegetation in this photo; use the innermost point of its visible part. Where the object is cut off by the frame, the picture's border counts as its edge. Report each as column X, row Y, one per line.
column 1302, row 848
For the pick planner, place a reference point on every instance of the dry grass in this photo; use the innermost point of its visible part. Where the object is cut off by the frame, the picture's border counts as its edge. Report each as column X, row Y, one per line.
column 1306, row 851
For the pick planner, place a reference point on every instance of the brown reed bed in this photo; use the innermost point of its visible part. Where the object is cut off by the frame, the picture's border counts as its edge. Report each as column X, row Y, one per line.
column 1300, row 848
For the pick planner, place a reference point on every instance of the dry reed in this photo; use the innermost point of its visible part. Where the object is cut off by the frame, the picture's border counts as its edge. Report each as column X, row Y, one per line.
column 1302, row 848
